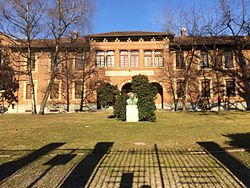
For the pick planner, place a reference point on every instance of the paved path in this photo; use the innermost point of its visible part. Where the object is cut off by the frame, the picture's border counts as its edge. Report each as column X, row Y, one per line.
column 142, row 168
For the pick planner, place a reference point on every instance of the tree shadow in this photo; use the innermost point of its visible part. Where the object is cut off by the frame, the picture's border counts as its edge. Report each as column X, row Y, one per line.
column 84, row 169
column 60, row 159
column 241, row 171
column 9, row 168
column 239, row 140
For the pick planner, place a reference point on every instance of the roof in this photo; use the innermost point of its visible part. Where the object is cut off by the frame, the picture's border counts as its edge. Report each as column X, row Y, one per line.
column 130, row 34
column 209, row 40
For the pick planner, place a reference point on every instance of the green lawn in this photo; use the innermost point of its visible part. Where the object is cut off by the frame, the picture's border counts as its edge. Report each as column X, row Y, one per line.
column 22, row 134
column 84, row 130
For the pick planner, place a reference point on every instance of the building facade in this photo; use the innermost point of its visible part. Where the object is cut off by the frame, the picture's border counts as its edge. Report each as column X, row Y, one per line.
column 189, row 72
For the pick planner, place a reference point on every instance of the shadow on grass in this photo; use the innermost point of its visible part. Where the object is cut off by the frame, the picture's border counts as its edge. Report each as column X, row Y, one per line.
column 241, row 171
column 85, row 168
column 9, row 168
column 239, row 140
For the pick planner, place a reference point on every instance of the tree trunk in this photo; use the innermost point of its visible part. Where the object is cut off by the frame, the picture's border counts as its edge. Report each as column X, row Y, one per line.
column 82, row 97
column 33, row 96
column 46, row 95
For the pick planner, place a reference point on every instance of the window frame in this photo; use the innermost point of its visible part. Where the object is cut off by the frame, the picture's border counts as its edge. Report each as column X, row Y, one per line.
column 124, row 59
column 134, row 58
column 179, row 60
column 158, row 57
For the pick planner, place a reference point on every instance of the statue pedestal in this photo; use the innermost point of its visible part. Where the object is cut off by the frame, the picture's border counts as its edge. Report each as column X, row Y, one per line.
column 132, row 114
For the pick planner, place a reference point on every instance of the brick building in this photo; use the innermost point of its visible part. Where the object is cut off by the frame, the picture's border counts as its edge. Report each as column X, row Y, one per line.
column 188, row 71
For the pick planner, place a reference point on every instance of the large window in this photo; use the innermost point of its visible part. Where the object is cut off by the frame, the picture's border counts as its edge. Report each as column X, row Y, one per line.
column 205, row 88
column 124, row 59
column 134, row 59
column 27, row 91
column 180, row 63
column 110, row 59
column 230, row 88
column 228, row 59
column 33, row 62
column 79, row 62
column 158, row 61
column 55, row 62
column 55, row 92
column 179, row 88
column 100, row 59
column 204, row 63
column 148, row 58
column 78, row 89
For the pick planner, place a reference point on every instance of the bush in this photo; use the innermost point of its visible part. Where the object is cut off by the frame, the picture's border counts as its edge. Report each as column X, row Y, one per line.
column 107, row 94
column 146, row 97
column 120, row 106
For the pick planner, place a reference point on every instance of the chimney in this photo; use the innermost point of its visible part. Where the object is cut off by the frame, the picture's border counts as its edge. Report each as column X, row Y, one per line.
column 183, row 32
column 75, row 35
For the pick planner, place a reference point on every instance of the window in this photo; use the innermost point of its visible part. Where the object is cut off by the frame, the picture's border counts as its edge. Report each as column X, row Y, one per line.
column 110, row 59
column 79, row 62
column 32, row 61
column 205, row 88
column 180, row 64
column 55, row 90
column 124, row 59
column 230, row 88
column 78, row 89
column 218, row 61
column 179, row 88
column 100, row 59
column 148, row 58
column 134, row 59
column 27, row 92
column 55, row 62
column 204, row 63
column 158, row 62
column 228, row 59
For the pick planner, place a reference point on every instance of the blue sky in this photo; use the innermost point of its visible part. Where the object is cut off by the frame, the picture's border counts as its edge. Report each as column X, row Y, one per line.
column 126, row 15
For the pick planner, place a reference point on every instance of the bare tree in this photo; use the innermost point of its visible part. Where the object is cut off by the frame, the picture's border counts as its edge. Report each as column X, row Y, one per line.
column 224, row 27
column 64, row 16
column 20, row 23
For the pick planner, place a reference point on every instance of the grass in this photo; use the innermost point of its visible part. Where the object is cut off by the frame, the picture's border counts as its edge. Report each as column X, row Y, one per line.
column 84, row 130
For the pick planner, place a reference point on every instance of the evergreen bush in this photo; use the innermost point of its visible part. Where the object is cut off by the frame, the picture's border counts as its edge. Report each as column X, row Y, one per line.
column 107, row 94
column 120, row 106
column 146, row 93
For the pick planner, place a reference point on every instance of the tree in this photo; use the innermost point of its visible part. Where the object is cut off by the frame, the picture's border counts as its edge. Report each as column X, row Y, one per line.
column 107, row 94
column 146, row 93
column 223, row 27
column 20, row 23
column 8, row 82
column 63, row 17
column 120, row 106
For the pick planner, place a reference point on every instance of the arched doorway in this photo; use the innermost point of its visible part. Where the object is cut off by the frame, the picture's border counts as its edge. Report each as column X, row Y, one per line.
column 127, row 87
column 159, row 95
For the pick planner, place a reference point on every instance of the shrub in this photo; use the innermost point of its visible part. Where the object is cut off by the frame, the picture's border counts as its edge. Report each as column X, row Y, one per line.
column 120, row 106
column 146, row 95
column 107, row 94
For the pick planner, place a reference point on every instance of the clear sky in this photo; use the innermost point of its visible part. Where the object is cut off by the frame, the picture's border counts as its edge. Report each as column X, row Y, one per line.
column 126, row 15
